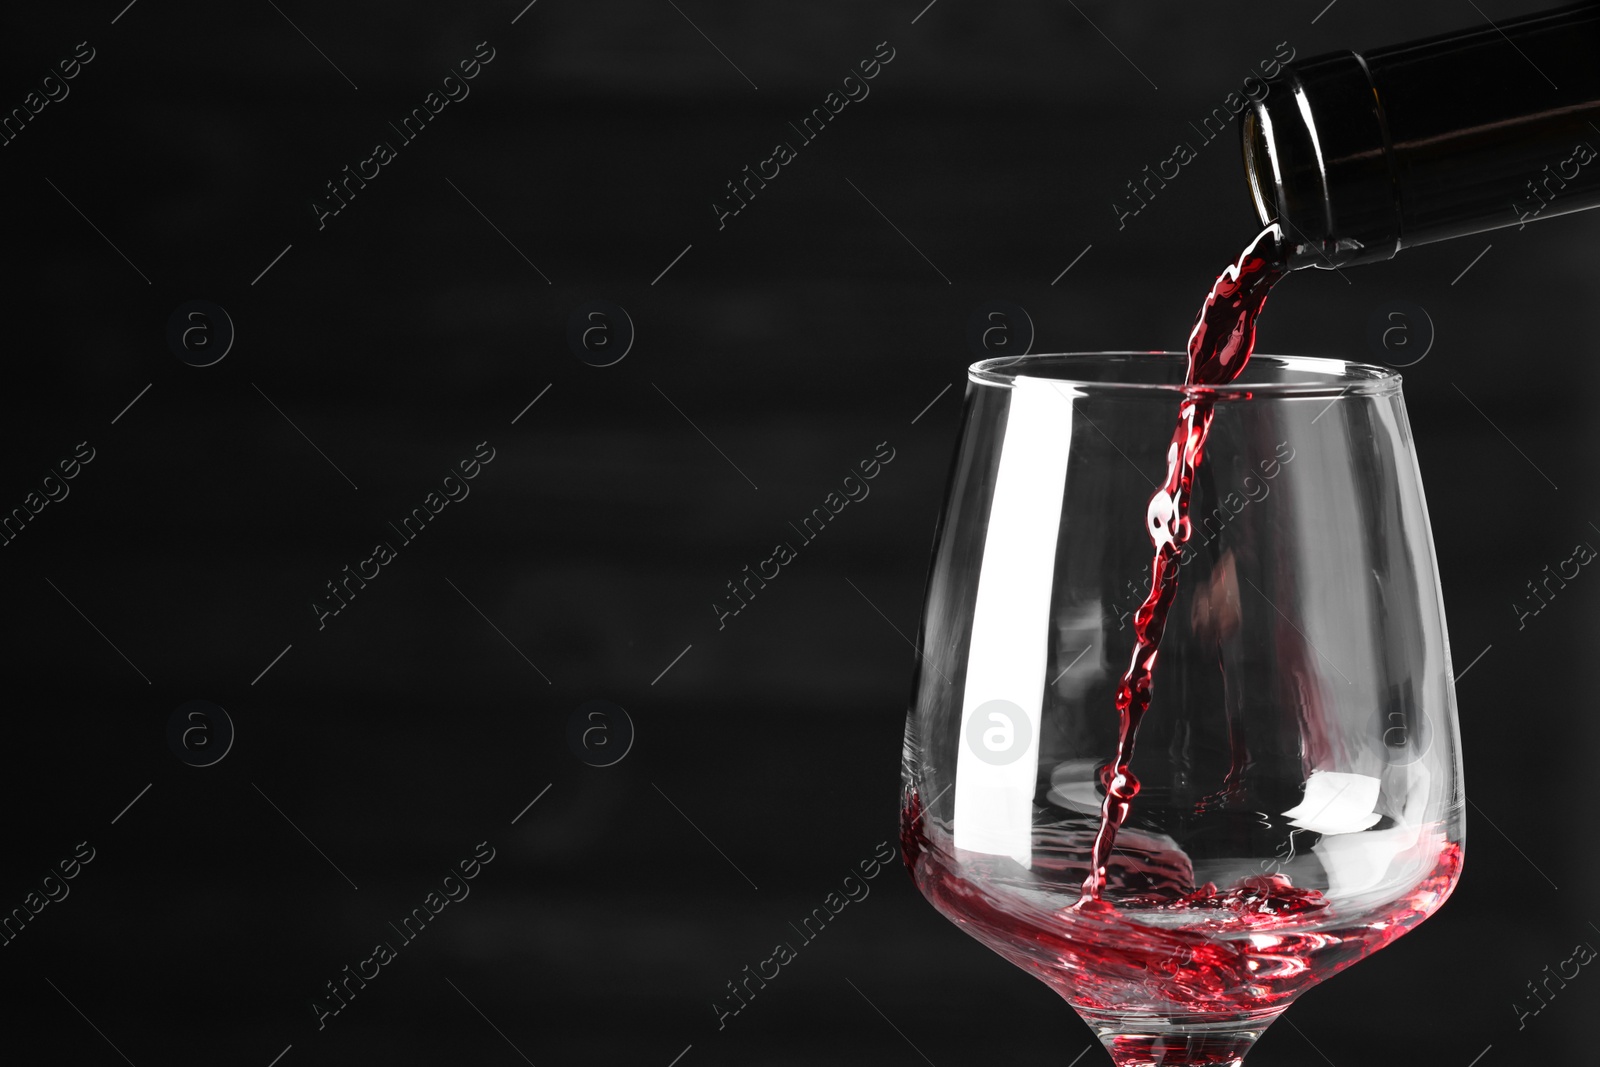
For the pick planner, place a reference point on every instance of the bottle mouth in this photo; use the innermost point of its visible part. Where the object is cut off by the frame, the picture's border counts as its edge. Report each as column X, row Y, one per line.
column 1317, row 161
column 1259, row 166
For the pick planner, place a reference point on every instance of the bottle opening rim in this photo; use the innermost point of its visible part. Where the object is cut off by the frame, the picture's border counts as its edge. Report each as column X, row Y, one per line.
column 1257, row 163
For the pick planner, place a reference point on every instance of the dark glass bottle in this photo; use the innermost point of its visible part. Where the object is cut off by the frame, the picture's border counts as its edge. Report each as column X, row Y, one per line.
column 1363, row 154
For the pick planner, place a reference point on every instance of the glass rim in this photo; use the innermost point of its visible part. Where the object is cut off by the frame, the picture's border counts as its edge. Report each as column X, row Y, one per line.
column 1324, row 377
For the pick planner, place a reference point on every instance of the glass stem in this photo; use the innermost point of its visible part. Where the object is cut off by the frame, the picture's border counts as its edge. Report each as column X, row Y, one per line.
column 1168, row 1042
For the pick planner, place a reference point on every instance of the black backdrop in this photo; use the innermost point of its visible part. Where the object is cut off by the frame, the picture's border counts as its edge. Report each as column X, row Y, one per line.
column 374, row 353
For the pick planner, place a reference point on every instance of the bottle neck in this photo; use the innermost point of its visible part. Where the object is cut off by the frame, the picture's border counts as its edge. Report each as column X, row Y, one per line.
column 1318, row 160
column 1360, row 155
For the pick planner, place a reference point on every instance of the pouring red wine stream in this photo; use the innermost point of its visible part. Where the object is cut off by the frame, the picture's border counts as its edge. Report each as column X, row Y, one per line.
column 1220, row 344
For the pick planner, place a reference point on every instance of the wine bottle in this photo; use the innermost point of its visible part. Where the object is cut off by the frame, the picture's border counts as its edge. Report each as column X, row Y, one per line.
column 1361, row 154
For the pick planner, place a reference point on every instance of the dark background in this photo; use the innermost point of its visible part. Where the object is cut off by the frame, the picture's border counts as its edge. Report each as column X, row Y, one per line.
column 796, row 339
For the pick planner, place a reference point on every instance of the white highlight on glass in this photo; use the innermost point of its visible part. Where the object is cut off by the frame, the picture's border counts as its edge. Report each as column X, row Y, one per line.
column 1357, row 863
column 1011, row 627
column 1337, row 802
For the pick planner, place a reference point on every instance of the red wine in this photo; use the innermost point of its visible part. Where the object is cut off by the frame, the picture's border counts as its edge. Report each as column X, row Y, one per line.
column 1222, row 953
column 1220, row 344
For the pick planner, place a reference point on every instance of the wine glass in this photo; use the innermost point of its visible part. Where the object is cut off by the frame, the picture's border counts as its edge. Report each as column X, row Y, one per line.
column 1298, row 775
